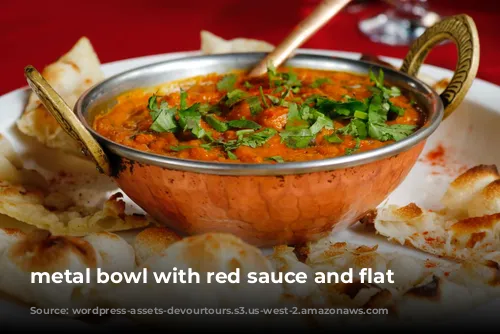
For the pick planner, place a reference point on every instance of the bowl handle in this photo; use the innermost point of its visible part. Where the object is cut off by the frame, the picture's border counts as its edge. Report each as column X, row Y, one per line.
column 460, row 29
column 66, row 118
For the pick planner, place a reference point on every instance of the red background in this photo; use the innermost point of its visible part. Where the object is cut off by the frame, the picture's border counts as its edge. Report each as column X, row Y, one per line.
column 38, row 32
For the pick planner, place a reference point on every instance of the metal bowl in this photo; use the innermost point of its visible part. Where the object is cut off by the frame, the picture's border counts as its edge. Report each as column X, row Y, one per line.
column 269, row 204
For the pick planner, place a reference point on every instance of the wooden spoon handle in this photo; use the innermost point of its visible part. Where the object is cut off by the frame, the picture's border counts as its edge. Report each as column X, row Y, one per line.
column 301, row 33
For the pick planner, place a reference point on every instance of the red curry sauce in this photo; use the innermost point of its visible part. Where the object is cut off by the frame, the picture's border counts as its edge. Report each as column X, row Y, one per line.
column 266, row 102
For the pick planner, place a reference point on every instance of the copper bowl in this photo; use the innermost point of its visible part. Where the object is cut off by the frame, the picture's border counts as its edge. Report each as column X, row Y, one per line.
column 267, row 204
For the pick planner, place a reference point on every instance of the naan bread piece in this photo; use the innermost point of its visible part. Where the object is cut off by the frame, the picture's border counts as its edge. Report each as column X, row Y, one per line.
column 423, row 289
column 437, row 298
column 7, row 151
column 486, row 202
column 41, row 252
column 466, row 186
column 211, row 252
column 327, row 255
column 70, row 76
column 212, row 44
column 115, row 253
column 10, row 173
column 152, row 241
column 57, row 214
column 284, row 260
column 467, row 229
column 470, row 239
column 10, row 223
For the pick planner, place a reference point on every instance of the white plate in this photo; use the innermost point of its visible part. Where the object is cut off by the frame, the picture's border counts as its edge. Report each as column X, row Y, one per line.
column 470, row 136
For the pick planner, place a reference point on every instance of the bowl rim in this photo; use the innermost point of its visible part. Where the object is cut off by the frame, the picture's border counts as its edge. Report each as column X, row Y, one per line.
column 263, row 169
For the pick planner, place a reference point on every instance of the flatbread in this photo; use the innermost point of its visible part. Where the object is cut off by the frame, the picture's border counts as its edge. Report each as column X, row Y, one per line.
column 39, row 251
column 212, row 44
column 57, row 214
column 70, row 76
column 423, row 289
column 467, row 229
column 153, row 241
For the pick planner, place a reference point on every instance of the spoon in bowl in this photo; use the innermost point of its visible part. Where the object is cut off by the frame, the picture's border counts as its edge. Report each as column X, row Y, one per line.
column 301, row 33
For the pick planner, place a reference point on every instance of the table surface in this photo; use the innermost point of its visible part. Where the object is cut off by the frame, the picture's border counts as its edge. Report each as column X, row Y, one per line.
column 38, row 32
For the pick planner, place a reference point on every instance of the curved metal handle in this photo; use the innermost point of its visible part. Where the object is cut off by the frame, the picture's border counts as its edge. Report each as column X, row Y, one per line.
column 66, row 118
column 462, row 30
column 305, row 29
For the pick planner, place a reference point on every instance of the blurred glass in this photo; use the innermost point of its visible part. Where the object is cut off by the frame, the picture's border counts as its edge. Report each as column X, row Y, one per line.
column 403, row 22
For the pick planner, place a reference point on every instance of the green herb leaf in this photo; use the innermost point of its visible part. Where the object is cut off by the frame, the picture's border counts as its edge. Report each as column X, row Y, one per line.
column 297, row 138
column 183, row 99
column 254, row 105
column 275, row 158
column 320, row 81
column 181, row 147
column 333, row 138
column 360, row 114
column 234, row 97
column 377, row 111
column 247, row 85
column 190, row 120
column 250, row 138
column 356, row 128
column 163, row 116
column 215, row 123
column 379, row 84
column 226, row 84
column 294, row 119
column 397, row 110
column 349, row 151
column 321, row 122
column 384, row 132
column 231, row 155
column 263, row 97
column 288, row 80
column 244, row 124
column 206, row 108
column 275, row 100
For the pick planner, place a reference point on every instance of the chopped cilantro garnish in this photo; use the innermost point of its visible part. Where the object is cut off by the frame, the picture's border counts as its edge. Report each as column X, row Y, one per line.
column 189, row 120
column 181, row 147
column 226, row 84
column 379, row 85
column 384, row 132
column 360, row 114
column 299, row 132
column 397, row 110
column 250, row 138
column 183, row 99
column 333, row 138
column 275, row 158
column 215, row 123
column 206, row 108
column 349, row 151
column 254, row 104
column 163, row 116
column 356, row 128
column 234, row 97
column 297, row 138
column 263, row 97
column 288, row 79
column 231, row 155
column 243, row 124
column 319, row 82
column 247, row 84
column 321, row 122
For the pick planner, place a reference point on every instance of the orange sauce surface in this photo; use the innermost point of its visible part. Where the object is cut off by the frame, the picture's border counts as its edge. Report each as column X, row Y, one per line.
column 129, row 121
